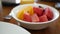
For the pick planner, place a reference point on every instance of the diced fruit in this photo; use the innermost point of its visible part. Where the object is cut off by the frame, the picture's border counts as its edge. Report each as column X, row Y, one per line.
column 20, row 14
column 35, row 18
column 48, row 13
column 38, row 10
column 27, row 17
column 35, row 14
column 43, row 18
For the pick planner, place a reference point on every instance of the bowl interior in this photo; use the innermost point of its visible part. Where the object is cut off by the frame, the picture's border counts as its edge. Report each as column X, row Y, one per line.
column 17, row 8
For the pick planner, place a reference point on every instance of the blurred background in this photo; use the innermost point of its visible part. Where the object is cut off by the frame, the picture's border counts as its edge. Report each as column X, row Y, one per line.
column 13, row 3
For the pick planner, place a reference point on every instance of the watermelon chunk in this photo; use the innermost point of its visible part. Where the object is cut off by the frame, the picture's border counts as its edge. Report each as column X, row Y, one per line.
column 48, row 13
column 35, row 18
column 43, row 18
column 27, row 17
column 38, row 10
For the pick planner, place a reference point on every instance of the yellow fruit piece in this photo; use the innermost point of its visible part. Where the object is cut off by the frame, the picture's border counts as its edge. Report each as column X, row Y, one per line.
column 20, row 14
column 30, row 10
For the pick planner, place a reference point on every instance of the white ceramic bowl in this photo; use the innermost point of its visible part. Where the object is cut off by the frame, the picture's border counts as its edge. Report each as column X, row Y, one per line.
column 34, row 26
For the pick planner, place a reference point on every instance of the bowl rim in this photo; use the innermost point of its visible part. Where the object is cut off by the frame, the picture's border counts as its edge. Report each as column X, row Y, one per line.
column 34, row 22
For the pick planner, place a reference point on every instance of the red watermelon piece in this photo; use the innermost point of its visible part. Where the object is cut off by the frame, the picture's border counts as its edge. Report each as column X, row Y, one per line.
column 35, row 18
column 43, row 18
column 38, row 10
column 48, row 13
column 27, row 17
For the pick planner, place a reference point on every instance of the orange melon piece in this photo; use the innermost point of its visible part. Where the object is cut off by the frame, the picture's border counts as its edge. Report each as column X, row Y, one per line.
column 20, row 14
column 29, row 9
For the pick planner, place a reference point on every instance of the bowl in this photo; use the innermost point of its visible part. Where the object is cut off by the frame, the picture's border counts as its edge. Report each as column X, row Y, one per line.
column 33, row 25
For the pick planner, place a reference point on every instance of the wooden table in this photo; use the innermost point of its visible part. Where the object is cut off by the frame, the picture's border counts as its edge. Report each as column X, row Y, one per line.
column 53, row 29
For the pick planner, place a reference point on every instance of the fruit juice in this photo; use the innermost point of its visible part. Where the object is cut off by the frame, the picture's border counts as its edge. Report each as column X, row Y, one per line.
column 27, row 1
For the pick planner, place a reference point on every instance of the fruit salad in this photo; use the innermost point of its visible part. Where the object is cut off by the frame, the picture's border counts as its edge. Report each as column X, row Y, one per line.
column 35, row 14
